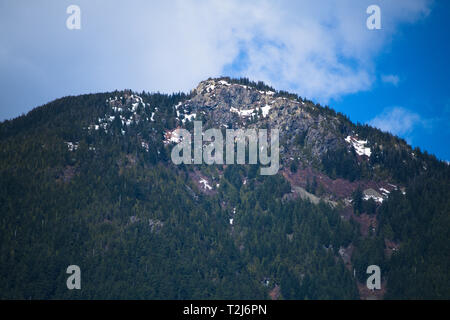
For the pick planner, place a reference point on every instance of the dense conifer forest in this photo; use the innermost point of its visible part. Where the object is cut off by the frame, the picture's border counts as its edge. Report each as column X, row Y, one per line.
column 140, row 228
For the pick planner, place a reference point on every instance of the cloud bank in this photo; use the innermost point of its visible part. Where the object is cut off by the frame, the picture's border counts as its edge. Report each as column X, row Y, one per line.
column 319, row 49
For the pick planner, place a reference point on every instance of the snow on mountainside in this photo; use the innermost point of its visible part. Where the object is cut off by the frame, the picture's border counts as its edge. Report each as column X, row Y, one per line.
column 307, row 133
column 359, row 146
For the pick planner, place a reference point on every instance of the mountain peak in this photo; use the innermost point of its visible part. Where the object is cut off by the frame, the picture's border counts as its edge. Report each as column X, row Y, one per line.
column 102, row 162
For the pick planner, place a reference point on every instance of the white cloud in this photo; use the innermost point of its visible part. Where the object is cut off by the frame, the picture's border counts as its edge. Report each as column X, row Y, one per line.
column 319, row 49
column 398, row 121
column 390, row 79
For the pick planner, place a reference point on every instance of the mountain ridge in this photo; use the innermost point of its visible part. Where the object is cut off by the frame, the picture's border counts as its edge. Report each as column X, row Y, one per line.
column 108, row 155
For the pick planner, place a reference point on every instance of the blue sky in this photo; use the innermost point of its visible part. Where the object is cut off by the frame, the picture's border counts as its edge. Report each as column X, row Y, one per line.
column 396, row 78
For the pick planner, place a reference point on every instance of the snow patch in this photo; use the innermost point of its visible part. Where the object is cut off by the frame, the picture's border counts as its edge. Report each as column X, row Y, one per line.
column 359, row 146
column 71, row 145
column 172, row 137
column 242, row 113
column 205, row 184
column 145, row 146
column 377, row 199
column 188, row 117
column 265, row 110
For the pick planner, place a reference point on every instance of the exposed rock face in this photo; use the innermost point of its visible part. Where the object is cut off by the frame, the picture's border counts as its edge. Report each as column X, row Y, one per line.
column 305, row 134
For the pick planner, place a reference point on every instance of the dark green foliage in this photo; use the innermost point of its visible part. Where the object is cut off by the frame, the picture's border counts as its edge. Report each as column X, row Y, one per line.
column 357, row 201
column 311, row 187
column 233, row 175
column 420, row 222
column 369, row 206
column 246, row 82
column 370, row 251
column 139, row 227
column 300, row 139
column 287, row 244
column 341, row 163
column 132, row 223
column 294, row 166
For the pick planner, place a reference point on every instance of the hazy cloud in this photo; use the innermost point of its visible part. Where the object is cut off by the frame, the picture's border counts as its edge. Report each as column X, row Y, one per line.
column 398, row 121
column 390, row 79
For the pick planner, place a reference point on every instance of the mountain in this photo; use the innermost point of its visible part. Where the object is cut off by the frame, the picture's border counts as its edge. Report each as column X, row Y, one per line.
column 89, row 181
